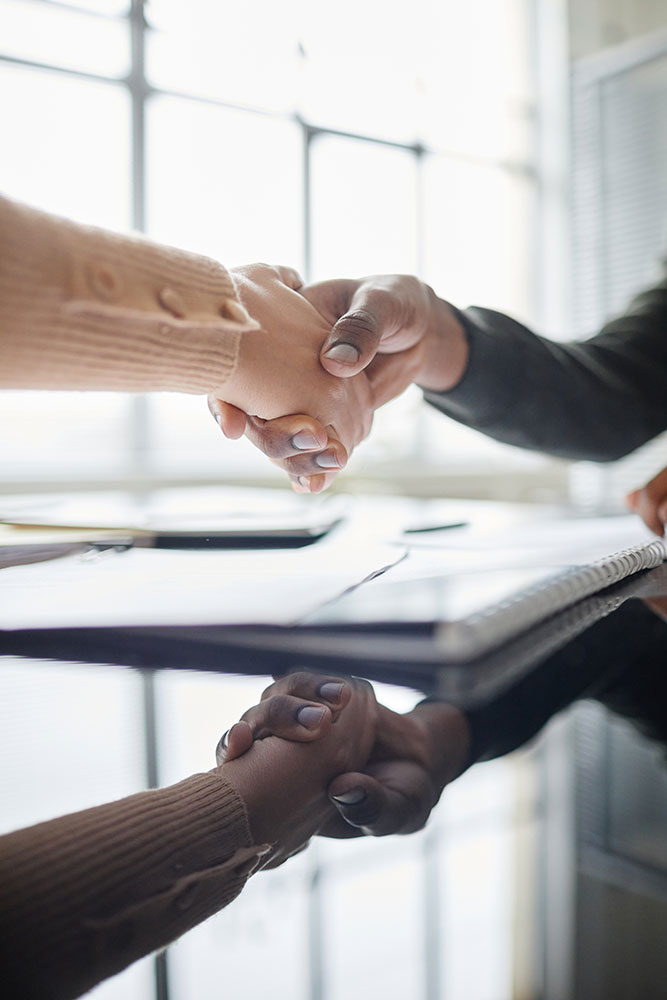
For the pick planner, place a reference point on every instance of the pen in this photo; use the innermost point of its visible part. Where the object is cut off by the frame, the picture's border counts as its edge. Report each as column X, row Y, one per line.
column 435, row 527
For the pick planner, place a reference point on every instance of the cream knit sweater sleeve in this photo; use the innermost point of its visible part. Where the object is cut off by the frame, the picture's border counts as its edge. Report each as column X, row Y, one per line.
column 83, row 308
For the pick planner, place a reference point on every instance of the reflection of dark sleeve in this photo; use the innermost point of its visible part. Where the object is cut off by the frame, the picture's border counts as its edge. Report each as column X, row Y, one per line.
column 621, row 661
column 598, row 399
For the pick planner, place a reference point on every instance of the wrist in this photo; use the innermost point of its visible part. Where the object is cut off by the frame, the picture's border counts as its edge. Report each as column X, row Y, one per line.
column 244, row 386
column 446, row 349
column 283, row 787
column 446, row 740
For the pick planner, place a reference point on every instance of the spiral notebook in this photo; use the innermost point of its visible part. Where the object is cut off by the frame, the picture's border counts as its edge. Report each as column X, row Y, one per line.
column 476, row 598
column 494, row 625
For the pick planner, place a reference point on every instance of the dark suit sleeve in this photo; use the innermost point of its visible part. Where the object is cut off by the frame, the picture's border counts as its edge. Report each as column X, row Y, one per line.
column 597, row 399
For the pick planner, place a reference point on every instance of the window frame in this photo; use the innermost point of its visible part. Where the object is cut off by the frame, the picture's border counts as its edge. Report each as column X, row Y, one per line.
column 546, row 170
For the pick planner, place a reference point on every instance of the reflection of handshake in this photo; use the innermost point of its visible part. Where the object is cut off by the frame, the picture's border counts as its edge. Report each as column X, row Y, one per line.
column 319, row 755
column 327, row 356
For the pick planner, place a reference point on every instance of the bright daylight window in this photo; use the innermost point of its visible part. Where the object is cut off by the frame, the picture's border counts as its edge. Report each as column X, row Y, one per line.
column 264, row 131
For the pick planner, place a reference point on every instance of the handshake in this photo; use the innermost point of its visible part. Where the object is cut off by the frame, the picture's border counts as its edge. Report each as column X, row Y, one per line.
column 327, row 356
column 319, row 755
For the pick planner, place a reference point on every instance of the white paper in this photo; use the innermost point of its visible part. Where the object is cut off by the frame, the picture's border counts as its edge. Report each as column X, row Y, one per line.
column 536, row 541
column 166, row 587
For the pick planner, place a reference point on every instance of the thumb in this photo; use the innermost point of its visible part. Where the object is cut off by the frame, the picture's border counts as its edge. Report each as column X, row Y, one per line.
column 230, row 420
column 362, row 802
column 391, row 797
column 632, row 499
column 357, row 334
column 234, row 743
column 351, row 345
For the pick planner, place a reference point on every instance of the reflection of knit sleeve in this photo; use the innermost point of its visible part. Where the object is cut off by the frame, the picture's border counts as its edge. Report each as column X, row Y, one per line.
column 85, row 895
column 598, row 399
column 619, row 661
column 82, row 308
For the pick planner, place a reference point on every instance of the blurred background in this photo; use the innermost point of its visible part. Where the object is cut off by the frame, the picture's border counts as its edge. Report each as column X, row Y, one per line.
column 360, row 139
column 513, row 153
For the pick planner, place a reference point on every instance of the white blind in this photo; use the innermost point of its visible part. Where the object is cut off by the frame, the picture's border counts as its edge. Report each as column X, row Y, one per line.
column 619, row 218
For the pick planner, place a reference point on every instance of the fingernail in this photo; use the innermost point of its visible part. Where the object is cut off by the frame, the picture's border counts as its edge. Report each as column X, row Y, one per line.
column 222, row 747
column 327, row 460
column 310, row 717
column 345, row 353
column 331, row 691
column 351, row 798
column 217, row 418
column 303, row 482
column 305, row 441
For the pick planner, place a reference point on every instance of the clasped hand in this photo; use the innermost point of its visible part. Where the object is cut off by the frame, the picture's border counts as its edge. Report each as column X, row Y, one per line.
column 394, row 783
column 329, row 355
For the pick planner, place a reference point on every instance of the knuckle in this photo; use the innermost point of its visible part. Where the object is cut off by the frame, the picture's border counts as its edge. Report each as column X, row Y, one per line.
column 364, row 687
column 302, row 465
column 278, row 711
column 272, row 440
column 298, row 682
column 382, row 298
column 276, row 443
column 357, row 324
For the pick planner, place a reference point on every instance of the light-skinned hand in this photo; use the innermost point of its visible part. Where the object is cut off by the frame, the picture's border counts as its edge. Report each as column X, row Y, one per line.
column 395, row 329
column 278, row 370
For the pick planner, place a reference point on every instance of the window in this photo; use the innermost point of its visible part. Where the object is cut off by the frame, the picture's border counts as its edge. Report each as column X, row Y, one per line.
column 276, row 133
